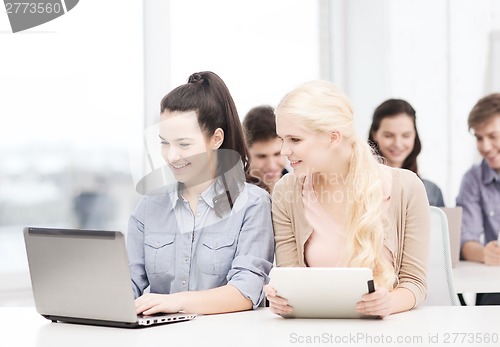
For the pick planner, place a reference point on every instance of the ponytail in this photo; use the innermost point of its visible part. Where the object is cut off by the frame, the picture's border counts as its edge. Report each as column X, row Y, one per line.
column 365, row 241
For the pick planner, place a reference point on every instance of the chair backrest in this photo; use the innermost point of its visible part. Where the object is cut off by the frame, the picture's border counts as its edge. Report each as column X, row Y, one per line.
column 454, row 217
column 440, row 285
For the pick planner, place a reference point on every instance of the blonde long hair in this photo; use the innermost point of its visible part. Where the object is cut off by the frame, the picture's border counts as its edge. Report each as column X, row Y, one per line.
column 322, row 107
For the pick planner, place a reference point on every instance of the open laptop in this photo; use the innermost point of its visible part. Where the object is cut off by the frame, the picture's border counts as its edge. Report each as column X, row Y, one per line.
column 454, row 217
column 322, row 292
column 82, row 276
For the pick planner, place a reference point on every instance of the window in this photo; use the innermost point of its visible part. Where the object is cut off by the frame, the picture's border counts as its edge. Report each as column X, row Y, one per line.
column 72, row 98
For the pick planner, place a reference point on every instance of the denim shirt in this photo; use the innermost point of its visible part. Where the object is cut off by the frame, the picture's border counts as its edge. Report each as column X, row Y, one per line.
column 479, row 197
column 172, row 250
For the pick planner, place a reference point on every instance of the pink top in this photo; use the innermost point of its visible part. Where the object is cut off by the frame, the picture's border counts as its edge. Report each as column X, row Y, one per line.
column 325, row 246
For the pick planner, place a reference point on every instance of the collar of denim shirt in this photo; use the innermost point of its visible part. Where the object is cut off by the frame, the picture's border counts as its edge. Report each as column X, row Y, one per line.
column 208, row 195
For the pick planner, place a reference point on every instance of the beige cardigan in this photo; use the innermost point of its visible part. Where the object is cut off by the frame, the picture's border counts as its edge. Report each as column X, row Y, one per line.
column 406, row 234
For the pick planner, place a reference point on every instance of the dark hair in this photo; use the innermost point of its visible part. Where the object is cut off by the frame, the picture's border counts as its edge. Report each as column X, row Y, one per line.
column 485, row 108
column 259, row 125
column 207, row 95
column 392, row 108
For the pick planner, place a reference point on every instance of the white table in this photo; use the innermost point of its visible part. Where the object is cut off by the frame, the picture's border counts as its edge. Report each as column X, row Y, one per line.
column 473, row 277
column 425, row 326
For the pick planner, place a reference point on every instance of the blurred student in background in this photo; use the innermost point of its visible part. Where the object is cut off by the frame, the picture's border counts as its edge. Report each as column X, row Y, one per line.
column 264, row 146
column 479, row 193
column 393, row 134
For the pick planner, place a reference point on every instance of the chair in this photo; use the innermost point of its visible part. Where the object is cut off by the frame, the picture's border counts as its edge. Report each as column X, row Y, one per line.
column 454, row 217
column 440, row 286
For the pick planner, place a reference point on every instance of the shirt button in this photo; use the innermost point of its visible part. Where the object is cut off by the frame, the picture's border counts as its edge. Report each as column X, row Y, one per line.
column 492, row 213
column 186, row 259
column 198, row 214
column 183, row 282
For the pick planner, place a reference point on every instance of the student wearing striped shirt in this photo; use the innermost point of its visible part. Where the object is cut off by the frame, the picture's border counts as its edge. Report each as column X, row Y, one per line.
column 479, row 193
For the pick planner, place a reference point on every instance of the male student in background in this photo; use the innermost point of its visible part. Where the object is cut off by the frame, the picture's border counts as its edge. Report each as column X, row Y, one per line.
column 479, row 193
column 264, row 145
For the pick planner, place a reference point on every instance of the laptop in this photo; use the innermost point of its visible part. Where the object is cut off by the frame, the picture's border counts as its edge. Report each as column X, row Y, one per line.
column 82, row 276
column 322, row 292
column 454, row 216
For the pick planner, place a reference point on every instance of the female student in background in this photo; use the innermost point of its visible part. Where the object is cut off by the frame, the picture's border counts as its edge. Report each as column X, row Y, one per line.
column 394, row 135
column 341, row 207
column 205, row 244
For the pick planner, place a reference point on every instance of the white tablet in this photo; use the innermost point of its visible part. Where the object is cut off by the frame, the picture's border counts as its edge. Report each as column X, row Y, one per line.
column 322, row 292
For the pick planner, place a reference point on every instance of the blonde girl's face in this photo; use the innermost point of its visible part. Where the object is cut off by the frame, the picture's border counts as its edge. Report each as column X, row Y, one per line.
column 396, row 138
column 185, row 148
column 307, row 151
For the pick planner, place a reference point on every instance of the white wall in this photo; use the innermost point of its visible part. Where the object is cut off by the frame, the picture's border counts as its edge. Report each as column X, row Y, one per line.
column 434, row 54
column 261, row 49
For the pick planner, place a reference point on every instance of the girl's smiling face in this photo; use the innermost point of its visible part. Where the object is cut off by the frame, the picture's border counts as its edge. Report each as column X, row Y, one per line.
column 307, row 151
column 185, row 148
column 396, row 138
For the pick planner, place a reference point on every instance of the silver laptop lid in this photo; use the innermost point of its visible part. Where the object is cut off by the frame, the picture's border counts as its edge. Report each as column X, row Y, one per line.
column 80, row 273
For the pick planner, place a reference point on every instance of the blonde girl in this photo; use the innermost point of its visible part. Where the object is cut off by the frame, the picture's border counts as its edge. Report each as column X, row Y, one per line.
column 341, row 207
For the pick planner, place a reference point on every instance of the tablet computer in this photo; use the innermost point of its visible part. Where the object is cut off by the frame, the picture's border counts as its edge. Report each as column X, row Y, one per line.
column 322, row 292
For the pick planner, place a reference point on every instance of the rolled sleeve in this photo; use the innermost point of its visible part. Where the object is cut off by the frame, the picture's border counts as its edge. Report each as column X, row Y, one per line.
column 255, row 251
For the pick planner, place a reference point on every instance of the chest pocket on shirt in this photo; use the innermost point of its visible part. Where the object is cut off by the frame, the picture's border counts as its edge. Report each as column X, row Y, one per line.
column 159, row 252
column 217, row 254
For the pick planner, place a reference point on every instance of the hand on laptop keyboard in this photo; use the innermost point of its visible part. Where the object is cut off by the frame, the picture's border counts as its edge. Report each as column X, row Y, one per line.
column 150, row 303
